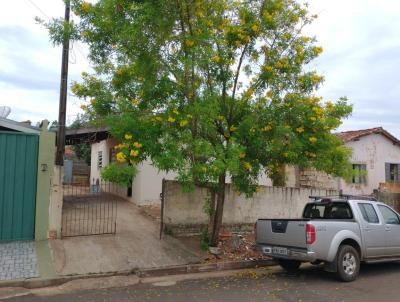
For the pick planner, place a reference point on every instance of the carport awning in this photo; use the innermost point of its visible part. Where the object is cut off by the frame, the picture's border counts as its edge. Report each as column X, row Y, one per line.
column 85, row 135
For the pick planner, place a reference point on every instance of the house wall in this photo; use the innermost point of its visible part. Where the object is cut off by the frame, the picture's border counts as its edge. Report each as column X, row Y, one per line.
column 183, row 211
column 374, row 150
column 147, row 184
column 311, row 178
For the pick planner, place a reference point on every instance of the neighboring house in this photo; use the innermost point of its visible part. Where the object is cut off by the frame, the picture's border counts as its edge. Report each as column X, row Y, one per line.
column 375, row 159
column 75, row 170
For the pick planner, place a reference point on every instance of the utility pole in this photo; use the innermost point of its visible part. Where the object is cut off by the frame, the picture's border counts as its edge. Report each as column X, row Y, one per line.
column 63, row 94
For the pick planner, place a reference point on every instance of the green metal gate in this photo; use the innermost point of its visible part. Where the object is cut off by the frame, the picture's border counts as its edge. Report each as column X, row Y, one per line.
column 18, row 173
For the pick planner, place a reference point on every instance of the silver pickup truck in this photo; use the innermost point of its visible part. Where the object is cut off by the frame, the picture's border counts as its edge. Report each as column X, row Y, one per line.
column 339, row 232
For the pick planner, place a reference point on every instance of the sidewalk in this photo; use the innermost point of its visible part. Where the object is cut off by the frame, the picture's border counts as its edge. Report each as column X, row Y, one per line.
column 135, row 245
column 20, row 260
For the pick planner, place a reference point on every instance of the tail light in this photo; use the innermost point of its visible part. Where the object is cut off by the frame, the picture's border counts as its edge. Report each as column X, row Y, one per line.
column 310, row 233
column 255, row 232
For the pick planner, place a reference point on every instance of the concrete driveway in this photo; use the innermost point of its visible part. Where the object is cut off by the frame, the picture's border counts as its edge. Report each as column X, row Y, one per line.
column 135, row 245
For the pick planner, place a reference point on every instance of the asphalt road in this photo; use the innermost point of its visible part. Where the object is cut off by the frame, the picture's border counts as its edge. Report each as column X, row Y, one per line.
column 379, row 282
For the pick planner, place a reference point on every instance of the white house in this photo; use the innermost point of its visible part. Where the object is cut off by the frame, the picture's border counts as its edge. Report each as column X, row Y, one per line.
column 147, row 184
column 375, row 159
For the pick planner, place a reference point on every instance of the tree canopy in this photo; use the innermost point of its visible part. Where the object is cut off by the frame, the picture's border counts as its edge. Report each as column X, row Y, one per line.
column 208, row 89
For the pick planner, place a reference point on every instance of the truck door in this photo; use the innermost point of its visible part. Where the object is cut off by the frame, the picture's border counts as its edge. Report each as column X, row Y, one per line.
column 373, row 231
column 392, row 230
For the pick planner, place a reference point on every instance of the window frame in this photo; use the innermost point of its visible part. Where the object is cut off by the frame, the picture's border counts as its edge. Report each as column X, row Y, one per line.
column 362, row 204
column 391, row 210
column 359, row 179
column 309, row 206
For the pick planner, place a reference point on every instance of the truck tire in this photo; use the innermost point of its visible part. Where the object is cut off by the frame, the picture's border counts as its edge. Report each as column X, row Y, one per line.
column 290, row 266
column 348, row 263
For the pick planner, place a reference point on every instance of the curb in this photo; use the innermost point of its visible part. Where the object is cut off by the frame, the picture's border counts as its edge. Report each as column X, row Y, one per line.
column 141, row 273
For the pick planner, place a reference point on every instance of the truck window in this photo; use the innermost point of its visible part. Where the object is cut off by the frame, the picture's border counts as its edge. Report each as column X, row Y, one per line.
column 330, row 210
column 389, row 216
column 368, row 212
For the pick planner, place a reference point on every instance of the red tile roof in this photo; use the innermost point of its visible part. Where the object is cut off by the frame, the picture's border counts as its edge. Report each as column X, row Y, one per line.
column 347, row 136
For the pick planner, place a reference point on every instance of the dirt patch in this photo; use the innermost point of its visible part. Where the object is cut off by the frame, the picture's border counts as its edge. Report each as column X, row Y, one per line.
column 152, row 211
column 233, row 247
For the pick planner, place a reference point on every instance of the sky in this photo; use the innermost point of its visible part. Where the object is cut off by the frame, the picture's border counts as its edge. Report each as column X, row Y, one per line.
column 361, row 59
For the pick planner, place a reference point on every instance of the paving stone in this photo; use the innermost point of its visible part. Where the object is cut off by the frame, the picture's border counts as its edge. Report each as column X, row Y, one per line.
column 18, row 260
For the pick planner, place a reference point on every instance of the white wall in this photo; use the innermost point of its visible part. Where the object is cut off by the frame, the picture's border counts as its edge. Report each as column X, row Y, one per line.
column 182, row 208
column 147, row 184
column 95, row 171
column 373, row 150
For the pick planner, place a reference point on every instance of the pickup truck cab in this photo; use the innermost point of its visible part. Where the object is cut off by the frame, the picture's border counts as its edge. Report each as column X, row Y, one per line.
column 339, row 232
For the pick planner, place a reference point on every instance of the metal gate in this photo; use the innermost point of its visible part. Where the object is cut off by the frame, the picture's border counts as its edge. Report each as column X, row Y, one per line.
column 89, row 210
column 18, row 176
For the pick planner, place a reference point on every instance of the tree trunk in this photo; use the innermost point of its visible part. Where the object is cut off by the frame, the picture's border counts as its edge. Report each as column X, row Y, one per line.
column 217, row 214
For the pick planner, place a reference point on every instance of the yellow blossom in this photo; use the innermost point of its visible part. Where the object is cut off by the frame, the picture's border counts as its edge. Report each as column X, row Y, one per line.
column 175, row 111
column 121, row 157
column 189, row 116
column 85, row 6
column 220, row 117
column 134, row 153
column 285, row 154
column 267, row 68
column 216, row 59
column 137, row 145
column 84, row 107
column 249, row 93
column 312, row 140
column 189, row 43
column 266, row 128
column 135, row 102
column 159, row 118
column 313, row 118
column 317, row 50
column 254, row 28
column 171, row 119
column 242, row 155
column 128, row 136
column 183, row 123
column 300, row 130
column 232, row 128
column 305, row 39
column 247, row 165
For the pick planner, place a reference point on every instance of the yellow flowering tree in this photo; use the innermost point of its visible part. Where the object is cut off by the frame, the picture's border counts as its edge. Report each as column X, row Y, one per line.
column 209, row 89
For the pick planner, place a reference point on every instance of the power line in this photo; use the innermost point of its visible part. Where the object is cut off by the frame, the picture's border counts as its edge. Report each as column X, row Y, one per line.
column 39, row 9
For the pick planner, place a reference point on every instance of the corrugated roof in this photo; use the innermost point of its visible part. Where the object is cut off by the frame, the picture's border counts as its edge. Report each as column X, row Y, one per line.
column 16, row 126
column 347, row 136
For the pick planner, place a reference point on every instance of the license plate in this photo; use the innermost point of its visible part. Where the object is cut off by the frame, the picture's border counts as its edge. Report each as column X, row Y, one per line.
column 280, row 251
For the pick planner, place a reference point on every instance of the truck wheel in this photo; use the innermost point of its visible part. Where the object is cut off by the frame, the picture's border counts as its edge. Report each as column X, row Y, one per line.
column 291, row 266
column 348, row 263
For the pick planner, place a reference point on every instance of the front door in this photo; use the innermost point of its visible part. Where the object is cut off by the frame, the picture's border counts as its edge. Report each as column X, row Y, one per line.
column 392, row 230
column 373, row 231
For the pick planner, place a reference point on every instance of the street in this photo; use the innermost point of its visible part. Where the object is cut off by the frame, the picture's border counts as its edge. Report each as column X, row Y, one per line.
column 376, row 283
